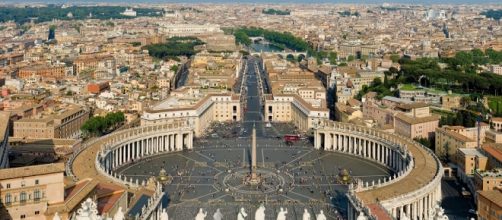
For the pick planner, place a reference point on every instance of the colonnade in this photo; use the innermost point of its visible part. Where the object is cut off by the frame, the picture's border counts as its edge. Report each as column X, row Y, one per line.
column 418, row 208
column 363, row 146
column 137, row 143
column 138, row 148
column 394, row 152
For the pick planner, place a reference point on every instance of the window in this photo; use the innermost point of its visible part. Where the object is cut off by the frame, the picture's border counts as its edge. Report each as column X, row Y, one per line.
column 36, row 195
column 37, row 212
column 22, row 183
column 8, row 185
column 8, row 198
column 22, row 197
column 23, row 216
column 36, row 182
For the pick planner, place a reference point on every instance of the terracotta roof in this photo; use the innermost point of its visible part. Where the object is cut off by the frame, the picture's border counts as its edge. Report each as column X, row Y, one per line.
column 412, row 120
column 455, row 135
column 495, row 150
column 494, row 196
column 379, row 212
column 496, row 119
column 413, row 105
column 31, row 171
column 354, row 102
column 74, row 197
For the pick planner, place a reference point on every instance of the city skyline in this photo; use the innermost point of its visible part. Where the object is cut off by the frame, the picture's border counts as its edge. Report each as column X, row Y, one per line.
column 355, row 111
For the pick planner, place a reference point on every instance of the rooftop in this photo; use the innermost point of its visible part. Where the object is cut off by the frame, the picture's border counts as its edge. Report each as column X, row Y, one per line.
column 495, row 150
column 494, row 196
column 414, row 120
column 472, row 152
column 31, row 171
column 455, row 135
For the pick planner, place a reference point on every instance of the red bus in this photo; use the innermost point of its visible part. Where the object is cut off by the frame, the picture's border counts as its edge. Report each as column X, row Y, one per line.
column 291, row 137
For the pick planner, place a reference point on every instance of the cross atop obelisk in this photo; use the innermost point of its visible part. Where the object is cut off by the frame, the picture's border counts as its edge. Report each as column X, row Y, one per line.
column 253, row 153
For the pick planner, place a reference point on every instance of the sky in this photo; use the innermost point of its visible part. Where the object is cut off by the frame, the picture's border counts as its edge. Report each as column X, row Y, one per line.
column 422, row 2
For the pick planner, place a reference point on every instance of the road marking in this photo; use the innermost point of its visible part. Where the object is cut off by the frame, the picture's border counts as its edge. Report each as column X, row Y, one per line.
column 195, row 161
column 204, row 156
column 243, row 157
column 300, row 157
column 262, row 158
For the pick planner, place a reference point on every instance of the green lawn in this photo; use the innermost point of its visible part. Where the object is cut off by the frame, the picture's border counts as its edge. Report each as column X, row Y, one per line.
column 492, row 103
column 408, row 87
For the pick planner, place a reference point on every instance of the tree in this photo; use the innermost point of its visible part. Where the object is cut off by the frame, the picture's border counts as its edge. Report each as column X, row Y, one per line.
column 395, row 58
column 332, row 57
column 426, row 142
column 174, row 68
column 350, row 58
column 98, row 125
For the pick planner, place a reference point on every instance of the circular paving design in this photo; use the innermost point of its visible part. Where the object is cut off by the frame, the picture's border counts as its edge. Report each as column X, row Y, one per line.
column 270, row 182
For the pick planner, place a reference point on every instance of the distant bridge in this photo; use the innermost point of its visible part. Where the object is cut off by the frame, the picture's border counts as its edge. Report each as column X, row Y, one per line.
column 284, row 54
column 254, row 39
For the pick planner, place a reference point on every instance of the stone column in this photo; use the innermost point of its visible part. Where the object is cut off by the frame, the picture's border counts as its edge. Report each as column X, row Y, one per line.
column 363, row 147
column 120, row 156
column 327, row 141
column 171, row 142
column 373, row 152
column 179, row 141
column 156, row 144
column 316, row 140
column 129, row 151
column 335, row 141
column 136, row 144
column 190, row 138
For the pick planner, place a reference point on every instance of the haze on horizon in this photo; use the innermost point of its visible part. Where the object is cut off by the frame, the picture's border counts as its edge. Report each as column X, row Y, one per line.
column 419, row 2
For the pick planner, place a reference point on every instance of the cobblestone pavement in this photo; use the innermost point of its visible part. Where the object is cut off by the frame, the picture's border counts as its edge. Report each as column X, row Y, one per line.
column 197, row 177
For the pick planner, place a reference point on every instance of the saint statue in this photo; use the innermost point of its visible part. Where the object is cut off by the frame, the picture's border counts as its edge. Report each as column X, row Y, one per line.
column 260, row 213
column 201, row 215
column 163, row 215
column 282, row 214
column 217, row 215
column 362, row 216
column 306, row 215
column 321, row 216
column 242, row 214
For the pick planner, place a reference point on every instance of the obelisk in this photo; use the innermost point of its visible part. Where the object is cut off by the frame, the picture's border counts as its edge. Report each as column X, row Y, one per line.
column 253, row 153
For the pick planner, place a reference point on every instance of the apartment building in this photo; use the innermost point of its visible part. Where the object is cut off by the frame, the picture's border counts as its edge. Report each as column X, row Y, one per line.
column 468, row 161
column 488, row 179
column 451, row 138
column 296, row 95
column 43, row 71
column 292, row 108
column 58, row 122
column 194, row 109
column 93, row 62
column 416, row 121
column 27, row 192
column 490, row 204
